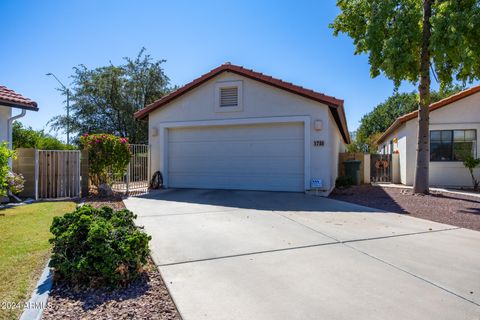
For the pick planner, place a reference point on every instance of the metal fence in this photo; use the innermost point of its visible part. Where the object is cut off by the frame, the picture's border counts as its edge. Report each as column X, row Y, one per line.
column 381, row 168
column 57, row 174
column 136, row 178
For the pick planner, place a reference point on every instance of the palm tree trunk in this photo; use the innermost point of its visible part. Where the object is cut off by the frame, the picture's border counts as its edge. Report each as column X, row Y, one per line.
column 421, row 183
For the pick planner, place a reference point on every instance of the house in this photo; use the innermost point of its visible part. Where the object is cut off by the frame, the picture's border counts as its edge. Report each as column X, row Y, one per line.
column 10, row 100
column 234, row 128
column 454, row 127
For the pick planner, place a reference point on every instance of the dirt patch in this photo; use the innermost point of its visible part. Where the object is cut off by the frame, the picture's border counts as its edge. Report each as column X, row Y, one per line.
column 145, row 298
column 114, row 201
column 458, row 210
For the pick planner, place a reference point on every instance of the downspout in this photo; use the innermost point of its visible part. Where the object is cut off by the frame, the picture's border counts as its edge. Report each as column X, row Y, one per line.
column 10, row 131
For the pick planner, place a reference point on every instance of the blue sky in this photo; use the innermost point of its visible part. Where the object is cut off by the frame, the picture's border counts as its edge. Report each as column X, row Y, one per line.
column 285, row 39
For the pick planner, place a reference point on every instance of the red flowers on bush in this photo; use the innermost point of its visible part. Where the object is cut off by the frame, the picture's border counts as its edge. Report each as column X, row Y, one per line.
column 107, row 155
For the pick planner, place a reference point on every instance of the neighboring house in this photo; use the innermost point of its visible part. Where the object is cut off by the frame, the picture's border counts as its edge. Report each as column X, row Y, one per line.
column 234, row 128
column 9, row 100
column 454, row 129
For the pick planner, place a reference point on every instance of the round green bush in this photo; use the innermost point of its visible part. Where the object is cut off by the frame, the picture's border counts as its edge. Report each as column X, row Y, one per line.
column 98, row 247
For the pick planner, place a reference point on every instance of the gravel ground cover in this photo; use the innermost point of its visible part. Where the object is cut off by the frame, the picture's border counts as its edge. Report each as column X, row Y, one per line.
column 458, row 210
column 145, row 298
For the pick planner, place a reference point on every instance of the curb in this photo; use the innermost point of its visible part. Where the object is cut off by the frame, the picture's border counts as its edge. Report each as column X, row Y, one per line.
column 38, row 301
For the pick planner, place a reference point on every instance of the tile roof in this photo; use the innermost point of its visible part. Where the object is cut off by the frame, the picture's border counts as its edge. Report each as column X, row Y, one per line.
column 335, row 105
column 13, row 99
column 434, row 106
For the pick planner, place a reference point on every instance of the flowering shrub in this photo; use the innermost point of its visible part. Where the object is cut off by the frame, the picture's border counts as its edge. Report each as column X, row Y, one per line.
column 5, row 154
column 15, row 182
column 106, row 153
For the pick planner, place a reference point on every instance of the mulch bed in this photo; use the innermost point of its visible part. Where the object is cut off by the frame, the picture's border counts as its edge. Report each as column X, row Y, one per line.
column 115, row 201
column 443, row 207
column 145, row 298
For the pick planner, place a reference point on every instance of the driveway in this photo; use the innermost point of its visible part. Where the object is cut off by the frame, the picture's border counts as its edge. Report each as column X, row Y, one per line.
column 272, row 255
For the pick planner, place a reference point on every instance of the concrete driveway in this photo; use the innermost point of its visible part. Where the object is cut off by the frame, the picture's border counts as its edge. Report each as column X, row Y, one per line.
column 271, row 255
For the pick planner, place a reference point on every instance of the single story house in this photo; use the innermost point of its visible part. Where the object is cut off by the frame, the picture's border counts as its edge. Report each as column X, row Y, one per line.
column 10, row 100
column 454, row 128
column 234, row 128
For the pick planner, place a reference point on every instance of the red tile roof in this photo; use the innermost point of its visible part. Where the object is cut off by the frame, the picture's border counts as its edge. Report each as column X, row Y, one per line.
column 434, row 106
column 12, row 99
column 335, row 105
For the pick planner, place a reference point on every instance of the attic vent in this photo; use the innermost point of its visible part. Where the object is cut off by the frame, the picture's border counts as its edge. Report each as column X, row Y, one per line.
column 229, row 97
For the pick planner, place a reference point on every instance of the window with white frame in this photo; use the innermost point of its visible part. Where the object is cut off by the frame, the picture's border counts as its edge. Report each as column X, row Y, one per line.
column 228, row 96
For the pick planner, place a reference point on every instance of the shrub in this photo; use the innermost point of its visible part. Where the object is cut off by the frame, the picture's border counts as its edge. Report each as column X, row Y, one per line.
column 98, row 247
column 26, row 137
column 106, row 152
column 15, row 182
column 344, row 181
column 471, row 163
column 5, row 155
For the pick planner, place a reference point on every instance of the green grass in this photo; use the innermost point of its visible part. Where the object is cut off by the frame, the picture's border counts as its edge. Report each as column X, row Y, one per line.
column 24, row 249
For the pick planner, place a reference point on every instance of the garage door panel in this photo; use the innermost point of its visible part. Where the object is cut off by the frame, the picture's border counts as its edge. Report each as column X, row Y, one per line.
column 241, row 148
column 292, row 165
column 254, row 157
column 277, row 131
column 242, row 182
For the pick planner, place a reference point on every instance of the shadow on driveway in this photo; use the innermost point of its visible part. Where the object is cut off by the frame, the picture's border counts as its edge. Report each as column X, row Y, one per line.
column 257, row 200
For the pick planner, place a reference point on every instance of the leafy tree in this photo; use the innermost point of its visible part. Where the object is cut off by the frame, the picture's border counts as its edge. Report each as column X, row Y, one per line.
column 104, row 99
column 384, row 114
column 407, row 40
column 26, row 137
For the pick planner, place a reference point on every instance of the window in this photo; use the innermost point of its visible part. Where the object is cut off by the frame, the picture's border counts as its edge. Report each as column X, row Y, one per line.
column 228, row 96
column 452, row 145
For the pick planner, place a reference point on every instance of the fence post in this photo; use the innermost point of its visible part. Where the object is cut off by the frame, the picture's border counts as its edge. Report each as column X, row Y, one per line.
column 366, row 168
column 128, row 178
column 36, row 172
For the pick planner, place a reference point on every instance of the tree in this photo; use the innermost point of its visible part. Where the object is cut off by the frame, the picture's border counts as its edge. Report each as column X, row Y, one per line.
column 26, row 137
column 409, row 39
column 384, row 114
column 104, row 99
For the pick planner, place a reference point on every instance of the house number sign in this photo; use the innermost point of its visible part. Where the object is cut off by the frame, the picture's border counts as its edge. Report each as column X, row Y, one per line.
column 318, row 143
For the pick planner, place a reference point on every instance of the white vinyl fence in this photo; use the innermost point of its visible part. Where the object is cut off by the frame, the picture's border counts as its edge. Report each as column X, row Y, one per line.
column 57, row 174
column 137, row 177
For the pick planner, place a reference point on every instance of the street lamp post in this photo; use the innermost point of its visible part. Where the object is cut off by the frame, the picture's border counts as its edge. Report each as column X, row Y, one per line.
column 68, row 104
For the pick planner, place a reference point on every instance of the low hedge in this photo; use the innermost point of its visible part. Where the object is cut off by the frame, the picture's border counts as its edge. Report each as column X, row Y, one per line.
column 98, row 247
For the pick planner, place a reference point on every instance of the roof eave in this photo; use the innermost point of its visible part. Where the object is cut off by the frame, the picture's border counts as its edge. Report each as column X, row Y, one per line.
column 18, row 105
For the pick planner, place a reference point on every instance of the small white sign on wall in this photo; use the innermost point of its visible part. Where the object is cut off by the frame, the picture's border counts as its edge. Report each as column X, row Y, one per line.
column 316, row 183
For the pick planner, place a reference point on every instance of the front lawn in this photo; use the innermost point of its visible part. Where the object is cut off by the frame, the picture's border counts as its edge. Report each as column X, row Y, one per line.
column 24, row 249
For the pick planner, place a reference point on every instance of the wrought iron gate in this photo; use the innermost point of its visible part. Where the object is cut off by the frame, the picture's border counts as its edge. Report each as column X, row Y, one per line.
column 136, row 178
column 381, row 168
column 58, row 174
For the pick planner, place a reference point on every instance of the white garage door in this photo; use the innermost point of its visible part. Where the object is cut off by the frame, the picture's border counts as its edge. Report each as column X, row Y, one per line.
column 245, row 157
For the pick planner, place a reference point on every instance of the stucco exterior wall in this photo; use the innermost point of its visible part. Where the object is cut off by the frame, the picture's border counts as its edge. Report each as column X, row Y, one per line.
column 338, row 146
column 462, row 114
column 5, row 114
column 259, row 101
